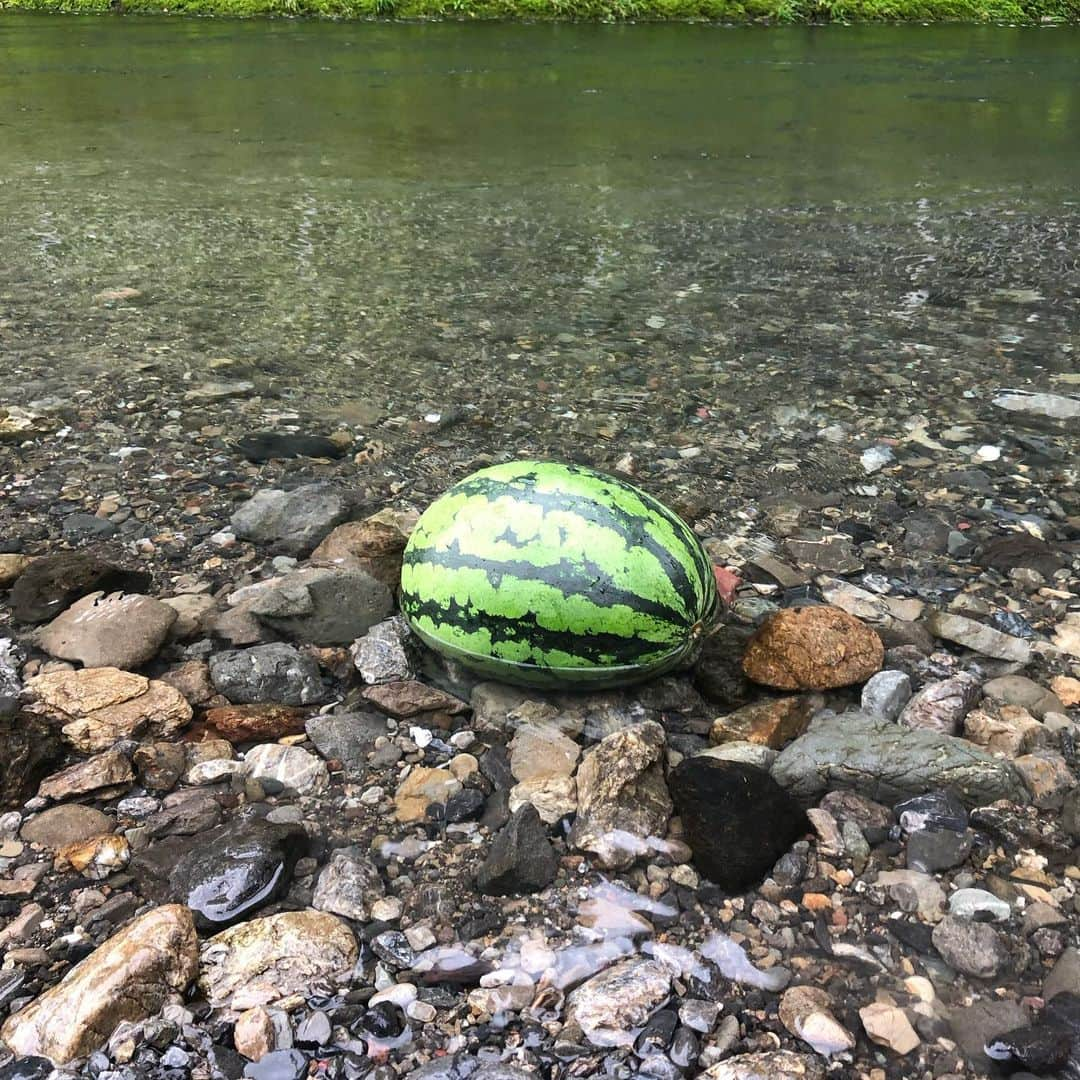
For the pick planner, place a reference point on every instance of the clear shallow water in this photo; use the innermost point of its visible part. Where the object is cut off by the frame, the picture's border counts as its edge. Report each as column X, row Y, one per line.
column 582, row 236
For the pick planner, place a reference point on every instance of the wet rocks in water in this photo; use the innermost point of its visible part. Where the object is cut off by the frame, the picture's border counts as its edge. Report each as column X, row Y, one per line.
column 941, row 706
column 623, row 800
column 292, row 522
column 227, row 873
column 978, row 637
column 29, row 748
column 346, row 737
column 812, row 648
column 972, row 948
column 349, row 885
column 54, row 582
column 609, row 1006
column 886, row 762
column 262, row 446
column 267, row 673
column 289, row 769
column 119, row 630
column 268, row 958
column 128, row 978
column 737, row 820
column 321, row 605
column 521, row 858
column 97, row 706
column 256, row 723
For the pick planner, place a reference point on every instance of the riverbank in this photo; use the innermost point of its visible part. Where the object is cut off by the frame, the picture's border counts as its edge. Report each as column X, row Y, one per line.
column 1034, row 12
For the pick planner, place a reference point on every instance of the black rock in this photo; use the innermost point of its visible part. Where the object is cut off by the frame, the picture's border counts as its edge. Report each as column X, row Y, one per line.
column 1009, row 622
column 27, row 1068
column 29, row 748
column 1020, row 549
column 228, row 873
column 495, row 765
column 925, row 533
column 1048, row 1046
column 521, row 857
column 225, row 1061
column 737, row 820
column 87, row 527
column 917, row 936
column 262, row 446
column 464, row 806
column 278, row 1065
column 931, row 850
column 934, row 810
column 54, row 582
column 393, row 947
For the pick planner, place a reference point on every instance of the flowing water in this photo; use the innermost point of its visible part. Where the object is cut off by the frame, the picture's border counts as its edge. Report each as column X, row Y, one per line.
column 567, row 239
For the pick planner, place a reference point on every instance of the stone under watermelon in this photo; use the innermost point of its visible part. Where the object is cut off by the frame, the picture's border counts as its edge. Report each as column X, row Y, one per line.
column 556, row 575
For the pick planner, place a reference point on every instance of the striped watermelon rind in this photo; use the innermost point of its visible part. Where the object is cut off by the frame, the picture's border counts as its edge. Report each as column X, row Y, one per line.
column 556, row 575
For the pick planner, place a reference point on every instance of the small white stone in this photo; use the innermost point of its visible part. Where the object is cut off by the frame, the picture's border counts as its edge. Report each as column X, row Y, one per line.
column 400, row 994
column 420, row 938
column 388, row 909
column 462, row 740
column 421, row 1011
column 421, row 736
column 214, row 771
column 372, row 796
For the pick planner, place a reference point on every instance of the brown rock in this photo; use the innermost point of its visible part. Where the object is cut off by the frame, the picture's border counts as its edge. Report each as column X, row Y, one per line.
column 60, row 826
column 254, row 1035
column 192, row 679
column 405, row 698
column 773, row 722
column 1067, row 690
column 1015, row 731
column 95, row 858
column 97, row 706
column 29, row 748
column 889, row 1026
column 623, row 799
column 108, row 770
column 374, row 545
column 420, row 789
column 11, row 567
column 812, row 648
column 257, row 723
column 194, row 612
column 119, row 630
column 130, row 977
column 160, row 765
column 1047, row 777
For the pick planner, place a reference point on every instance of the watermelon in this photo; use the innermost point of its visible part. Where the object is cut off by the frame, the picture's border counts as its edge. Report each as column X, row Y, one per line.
column 556, row 575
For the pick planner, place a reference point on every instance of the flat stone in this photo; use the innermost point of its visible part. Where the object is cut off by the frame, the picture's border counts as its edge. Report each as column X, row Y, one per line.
column 192, row 680
column 812, row 648
column 265, row 959
column 109, row 630
column 255, row 1033
column 277, row 673
column 256, row 723
column 60, row 826
column 322, row 605
column 159, row 765
column 420, row 789
column 347, row 737
column 54, row 582
column 521, row 859
column 978, row 637
column 933, row 850
column 1067, row 635
column 260, row 446
column 406, row 698
column 886, row 694
column 773, row 722
column 108, row 770
column 374, row 545
column 542, row 751
column 623, row 800
column 886, row 762
column 349, row 885
column 975, row 1023
column 831, row 554
column 864, row 605
column 941, row 706
column 610, row 1006
column 292, row 522
column 889, row 1026
column 297, row 771
column 772, row 1065
column 194, row 614
column 973, row 948
column 762, row 757
column 129, row 977
column 97, row 706
column 1025, row 693
column 737, row 820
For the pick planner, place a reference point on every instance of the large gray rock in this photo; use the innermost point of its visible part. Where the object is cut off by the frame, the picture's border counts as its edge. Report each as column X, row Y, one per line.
column 322, row 606
column 292, row 522
column 521, row 859
column 978, row 637
column 276, row 672
column 887, row 762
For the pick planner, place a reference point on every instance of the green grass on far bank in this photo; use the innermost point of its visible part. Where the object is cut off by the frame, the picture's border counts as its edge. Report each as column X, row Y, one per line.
column 775, row 11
